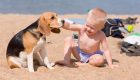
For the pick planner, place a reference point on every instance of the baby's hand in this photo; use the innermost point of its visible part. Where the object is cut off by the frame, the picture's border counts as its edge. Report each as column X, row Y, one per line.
column 113, row 66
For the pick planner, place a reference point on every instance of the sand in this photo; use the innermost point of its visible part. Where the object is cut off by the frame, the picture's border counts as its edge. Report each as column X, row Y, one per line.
column 10, row 24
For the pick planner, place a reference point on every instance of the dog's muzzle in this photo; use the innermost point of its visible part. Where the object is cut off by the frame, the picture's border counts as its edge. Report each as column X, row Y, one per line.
column 61, row 22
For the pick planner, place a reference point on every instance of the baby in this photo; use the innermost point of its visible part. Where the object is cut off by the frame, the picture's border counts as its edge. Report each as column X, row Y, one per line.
column 90, row 37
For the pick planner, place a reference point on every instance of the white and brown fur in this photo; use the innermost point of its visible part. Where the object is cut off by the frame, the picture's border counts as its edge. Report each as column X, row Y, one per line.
column 29, row 43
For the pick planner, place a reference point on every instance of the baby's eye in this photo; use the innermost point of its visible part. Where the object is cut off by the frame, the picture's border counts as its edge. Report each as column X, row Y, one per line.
column 93, row 27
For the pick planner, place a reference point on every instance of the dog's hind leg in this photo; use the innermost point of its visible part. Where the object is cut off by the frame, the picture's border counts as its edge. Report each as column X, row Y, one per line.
column 14, row 62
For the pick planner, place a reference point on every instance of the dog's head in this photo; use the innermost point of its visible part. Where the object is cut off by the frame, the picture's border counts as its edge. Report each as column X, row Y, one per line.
column 49, row 22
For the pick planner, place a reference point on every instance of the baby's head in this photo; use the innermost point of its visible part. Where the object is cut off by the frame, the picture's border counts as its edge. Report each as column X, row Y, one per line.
column 96, row 18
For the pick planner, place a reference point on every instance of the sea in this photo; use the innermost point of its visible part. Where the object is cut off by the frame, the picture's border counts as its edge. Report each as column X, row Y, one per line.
column 69, row 6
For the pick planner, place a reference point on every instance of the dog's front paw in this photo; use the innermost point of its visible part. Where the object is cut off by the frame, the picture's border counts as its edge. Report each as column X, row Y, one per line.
column 51, row 67
column 52, row 64
column 31, row 70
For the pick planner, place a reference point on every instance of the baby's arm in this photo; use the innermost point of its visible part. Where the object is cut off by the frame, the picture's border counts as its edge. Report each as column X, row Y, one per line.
column 107, row 52
column 70, row 26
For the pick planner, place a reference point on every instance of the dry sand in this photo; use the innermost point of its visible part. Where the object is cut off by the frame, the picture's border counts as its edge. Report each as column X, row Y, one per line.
column 10, row 24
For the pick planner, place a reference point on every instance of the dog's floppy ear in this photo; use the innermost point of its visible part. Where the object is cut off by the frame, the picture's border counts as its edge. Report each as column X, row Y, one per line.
column 55, row 30
column 43, row 26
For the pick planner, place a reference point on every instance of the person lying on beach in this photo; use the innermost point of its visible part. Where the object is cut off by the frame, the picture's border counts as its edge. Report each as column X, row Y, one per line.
column 90, row 37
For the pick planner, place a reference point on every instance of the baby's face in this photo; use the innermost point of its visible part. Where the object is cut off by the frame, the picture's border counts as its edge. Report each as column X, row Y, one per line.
column 94, row 22
column 96, row 19
column 90, row 29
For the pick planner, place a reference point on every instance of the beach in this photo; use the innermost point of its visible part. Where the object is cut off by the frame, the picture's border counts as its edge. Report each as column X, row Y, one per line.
column 10, row 24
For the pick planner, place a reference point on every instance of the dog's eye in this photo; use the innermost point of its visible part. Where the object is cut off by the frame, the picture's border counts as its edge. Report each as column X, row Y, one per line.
column 52, row 18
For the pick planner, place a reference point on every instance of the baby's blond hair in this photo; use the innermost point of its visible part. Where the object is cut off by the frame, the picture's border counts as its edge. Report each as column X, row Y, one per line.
column 97, row 17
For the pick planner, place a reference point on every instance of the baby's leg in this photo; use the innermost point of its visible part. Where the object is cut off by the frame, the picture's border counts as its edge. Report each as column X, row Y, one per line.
column 96, row 60
column 67, row 53
column 68, row 49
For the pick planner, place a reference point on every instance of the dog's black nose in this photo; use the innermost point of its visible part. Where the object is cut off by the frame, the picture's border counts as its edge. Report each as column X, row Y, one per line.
column 63, row 22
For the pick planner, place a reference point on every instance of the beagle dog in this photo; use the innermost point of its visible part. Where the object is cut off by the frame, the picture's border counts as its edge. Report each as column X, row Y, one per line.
column 29, row 43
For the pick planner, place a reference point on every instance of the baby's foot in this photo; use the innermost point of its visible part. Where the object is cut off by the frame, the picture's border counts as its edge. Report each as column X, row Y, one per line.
column 62, row 62
column 80, row 63
column 65, row 63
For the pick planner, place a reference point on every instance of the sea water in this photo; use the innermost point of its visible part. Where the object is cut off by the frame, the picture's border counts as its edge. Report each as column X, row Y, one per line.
column 69, row 6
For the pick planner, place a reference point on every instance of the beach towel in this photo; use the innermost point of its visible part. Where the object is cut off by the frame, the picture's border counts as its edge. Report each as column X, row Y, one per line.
column 131, row 44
